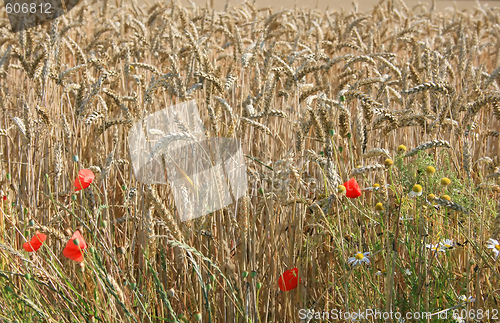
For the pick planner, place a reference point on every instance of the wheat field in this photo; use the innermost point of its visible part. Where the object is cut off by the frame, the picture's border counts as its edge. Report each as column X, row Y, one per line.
column 404, row 100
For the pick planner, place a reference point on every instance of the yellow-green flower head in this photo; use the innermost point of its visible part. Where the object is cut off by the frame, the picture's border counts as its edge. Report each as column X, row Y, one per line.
column 416, row 190
column 401, row 148
column 388, row 162
column 430, row 170
column 379, row 207
column 446, row 197
column 430, row 199
column 376, row 185
column 341, row 189
column 445, row 181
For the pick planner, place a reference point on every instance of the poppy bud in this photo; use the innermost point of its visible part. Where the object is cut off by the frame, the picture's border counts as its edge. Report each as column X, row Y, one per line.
column 182, row 318
column 73, row 197
column 76, row 241
column 47, row 176
column 31, row 223
column 124, row 187
column 171, row 292
column 253, row 274
column 75, row 158
column 7, row 176
column 209, row 286
column 197, row 317
column 258, row 285
column 212, row 278
column 121, row 250
column 104, row 224
column 245, row 274
column 27, row 276
column 133, row 286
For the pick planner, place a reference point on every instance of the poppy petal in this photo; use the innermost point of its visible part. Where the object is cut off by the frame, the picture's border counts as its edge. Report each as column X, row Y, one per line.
column 289, row 280
column 352, row 188
column 35, row 243
column 84, row 179
column 73, row 251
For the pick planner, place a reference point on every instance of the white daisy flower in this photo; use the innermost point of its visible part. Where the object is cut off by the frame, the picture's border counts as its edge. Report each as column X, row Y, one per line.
column 458, row 318
column 358, row 259
column 494, row 246
column 407, row 272
column 416, row 191
column 466, row 299
column 446, row 244
column 414, row 194
column 375, row 187
column 434, row 247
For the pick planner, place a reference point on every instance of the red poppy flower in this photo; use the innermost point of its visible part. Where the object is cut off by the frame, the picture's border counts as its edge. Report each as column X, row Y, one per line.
column 75, row 247
column 289, row 280
column 84, row 179
column 352, row 188
column 35, row 243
